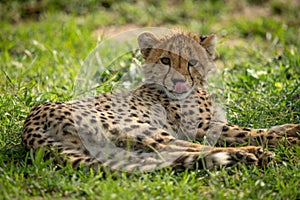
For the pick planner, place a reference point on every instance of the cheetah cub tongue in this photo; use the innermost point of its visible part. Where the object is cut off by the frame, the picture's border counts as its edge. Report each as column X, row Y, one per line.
column 181, row 87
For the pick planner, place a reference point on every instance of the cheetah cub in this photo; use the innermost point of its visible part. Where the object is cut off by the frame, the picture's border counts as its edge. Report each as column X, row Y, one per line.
column 168, row 121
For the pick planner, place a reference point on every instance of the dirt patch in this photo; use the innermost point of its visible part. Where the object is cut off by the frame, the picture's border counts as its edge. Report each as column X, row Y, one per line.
column 110, row 31
column 252, row 12
column 242, row 10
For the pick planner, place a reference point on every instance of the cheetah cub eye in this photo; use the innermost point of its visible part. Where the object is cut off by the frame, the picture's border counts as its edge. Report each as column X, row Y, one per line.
column 165, row 61
column 193, row 62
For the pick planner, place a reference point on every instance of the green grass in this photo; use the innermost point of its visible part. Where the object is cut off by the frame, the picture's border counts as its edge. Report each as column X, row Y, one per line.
column 42, row 49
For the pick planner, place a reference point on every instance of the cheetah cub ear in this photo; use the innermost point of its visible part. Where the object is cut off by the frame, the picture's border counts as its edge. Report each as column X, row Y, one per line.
column 146, row 41
column 209, row 43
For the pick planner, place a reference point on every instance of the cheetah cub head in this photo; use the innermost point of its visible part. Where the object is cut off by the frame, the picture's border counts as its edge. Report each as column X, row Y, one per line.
column 177, row 63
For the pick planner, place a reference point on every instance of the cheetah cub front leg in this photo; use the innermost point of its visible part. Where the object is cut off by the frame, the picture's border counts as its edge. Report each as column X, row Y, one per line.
column 287, row 135
column 167, row 151
column 288, row 130
column 249, row 155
